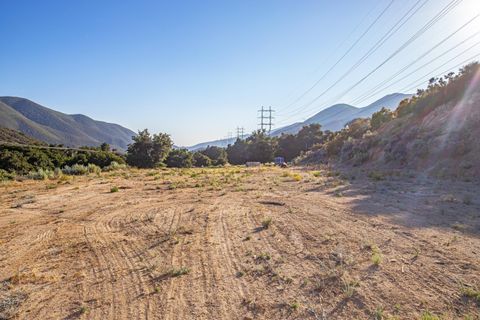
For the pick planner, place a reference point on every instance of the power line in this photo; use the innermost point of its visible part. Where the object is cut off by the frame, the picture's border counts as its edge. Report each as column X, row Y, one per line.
column 371, row 94
column 450, row 6
column 372, row 50
column 343, row 56
column 429, row 76
column 424, row 78
column 427, row 26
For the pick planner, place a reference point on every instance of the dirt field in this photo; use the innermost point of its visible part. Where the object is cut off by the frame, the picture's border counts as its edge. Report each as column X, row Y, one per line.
column 237, row 243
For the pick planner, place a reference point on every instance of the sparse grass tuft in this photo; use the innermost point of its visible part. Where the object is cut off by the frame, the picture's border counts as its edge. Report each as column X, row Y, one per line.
column 294, row 305
column 177, row 272
column 114, row 189
column 316, row 173
column 264, row 256
column 83, row 310
column 471, row 293
column 266, row 223
column 297, row 176
column 376, row 175
column 376, row 255
column 378, row 314
column 349, row 288
column 427, row 315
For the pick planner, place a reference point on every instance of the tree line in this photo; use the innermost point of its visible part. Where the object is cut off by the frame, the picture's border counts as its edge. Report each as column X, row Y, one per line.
column 148, row 151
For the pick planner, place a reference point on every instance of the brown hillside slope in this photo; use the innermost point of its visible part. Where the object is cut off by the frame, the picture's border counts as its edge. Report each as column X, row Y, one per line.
column 442, row 142
column 13, row 136
column 435, row 132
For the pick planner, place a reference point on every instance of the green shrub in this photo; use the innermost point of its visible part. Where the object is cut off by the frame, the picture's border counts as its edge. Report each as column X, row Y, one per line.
column 40, row 174
column 23, row 160
column 5, row 175
column 114, row 165
column 381, row 117
column 76, row 169
column 217, row 155
column 179, row 158
column 201, row 160
column 92, row 168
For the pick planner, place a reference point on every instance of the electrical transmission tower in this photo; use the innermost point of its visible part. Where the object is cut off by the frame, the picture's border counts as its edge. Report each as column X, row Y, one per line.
column 266, row 120
column 240, row 133
column 229, row 137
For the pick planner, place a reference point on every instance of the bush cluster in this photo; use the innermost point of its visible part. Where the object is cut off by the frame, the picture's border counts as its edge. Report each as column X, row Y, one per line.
column 39, row 163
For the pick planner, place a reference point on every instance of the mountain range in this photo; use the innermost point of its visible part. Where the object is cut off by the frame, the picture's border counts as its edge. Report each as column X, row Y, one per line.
column 54, row 127
column 332, row 118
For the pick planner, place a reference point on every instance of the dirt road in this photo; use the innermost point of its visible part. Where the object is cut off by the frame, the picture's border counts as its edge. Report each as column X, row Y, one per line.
column 239, row 243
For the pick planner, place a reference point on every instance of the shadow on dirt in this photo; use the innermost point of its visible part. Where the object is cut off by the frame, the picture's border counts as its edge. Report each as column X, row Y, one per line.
column 412, row 202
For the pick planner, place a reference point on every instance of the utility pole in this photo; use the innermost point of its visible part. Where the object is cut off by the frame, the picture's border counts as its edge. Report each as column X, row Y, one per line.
column 229, row 137
column 266, row 121
column 270, row 124
column 240, row 132
column 262, row 118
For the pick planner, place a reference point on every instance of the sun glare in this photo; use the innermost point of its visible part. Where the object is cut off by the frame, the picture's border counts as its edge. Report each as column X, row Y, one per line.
column 470, row 7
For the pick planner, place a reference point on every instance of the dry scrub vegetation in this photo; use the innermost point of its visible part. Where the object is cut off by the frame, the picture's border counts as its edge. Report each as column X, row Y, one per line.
column 240, row 243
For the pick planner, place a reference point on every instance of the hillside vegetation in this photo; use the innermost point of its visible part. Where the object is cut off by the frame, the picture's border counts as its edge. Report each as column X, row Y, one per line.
column 55, row 127
column 13, row 136
column 434, row 131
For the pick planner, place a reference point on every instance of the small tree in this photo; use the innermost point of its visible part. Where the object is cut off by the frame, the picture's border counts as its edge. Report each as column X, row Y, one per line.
column 179, row 158
column 309, row 136
column 217, row 155
column 261, row 147
column 288, row 147
column 238, row 152
column 147, row 151
column 380, row 117
column 105, row 147
column 201, row 160
column 356, row 128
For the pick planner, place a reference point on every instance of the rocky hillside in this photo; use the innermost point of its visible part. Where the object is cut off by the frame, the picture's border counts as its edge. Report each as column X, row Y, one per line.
column 435, row 132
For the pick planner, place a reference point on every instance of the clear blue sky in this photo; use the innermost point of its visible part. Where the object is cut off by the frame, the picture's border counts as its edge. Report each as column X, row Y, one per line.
column 199, row 69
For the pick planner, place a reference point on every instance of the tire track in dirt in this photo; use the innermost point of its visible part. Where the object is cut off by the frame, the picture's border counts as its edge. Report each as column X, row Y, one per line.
column 170, row 292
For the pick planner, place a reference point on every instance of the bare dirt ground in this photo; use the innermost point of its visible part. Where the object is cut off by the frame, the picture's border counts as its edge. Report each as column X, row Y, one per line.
column 237, row 243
